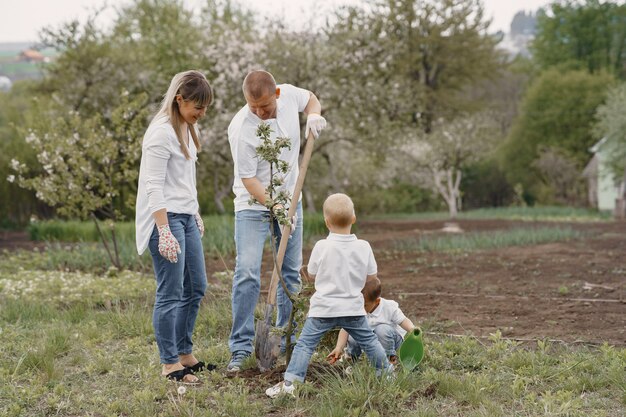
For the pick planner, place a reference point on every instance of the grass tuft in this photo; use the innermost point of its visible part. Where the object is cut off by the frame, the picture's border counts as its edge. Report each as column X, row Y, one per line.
column 489, row 240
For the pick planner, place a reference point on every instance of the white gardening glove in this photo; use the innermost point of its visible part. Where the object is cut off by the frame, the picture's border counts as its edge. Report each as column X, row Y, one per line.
column 294, row 224
column 169, row 248
column 315, row 123
column 293, row 221
column 200, row 223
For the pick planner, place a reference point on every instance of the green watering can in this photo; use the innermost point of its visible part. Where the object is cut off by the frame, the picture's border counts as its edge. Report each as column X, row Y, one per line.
column 411, row 350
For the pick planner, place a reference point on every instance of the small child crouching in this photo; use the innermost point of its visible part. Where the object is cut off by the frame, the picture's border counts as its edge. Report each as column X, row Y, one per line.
column 385, row 318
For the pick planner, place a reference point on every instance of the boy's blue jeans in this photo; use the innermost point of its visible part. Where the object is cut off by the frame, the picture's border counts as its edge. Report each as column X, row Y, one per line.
column 316, row 327
column 180, row 288
column 252, row 228
column 388, row 337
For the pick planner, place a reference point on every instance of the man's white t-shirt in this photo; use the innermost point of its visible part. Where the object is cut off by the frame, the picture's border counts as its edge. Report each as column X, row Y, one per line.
column 167, row 180
column 244, row 141
column 341, row 264
column 387, row 312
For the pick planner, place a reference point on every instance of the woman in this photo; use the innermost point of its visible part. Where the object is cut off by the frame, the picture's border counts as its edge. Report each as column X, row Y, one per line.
column 169, row 224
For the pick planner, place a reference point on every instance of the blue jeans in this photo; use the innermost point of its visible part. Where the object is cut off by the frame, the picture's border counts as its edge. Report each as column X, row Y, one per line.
column 252, row 228
column 388, row 337
column 180, row 288
column 316, row 327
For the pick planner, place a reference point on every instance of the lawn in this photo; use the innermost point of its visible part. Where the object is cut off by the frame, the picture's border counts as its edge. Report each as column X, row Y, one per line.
column 76, row 344
column 78, row 340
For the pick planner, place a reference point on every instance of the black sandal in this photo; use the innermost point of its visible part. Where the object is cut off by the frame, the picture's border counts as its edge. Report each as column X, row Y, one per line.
column 179, row 376
column 201, row 366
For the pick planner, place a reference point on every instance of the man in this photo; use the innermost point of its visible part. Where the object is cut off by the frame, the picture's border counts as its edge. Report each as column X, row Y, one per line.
column 277, row 106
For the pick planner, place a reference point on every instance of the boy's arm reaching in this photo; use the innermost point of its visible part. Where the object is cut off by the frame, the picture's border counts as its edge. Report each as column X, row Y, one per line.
column 407, row 325
column 342, row 340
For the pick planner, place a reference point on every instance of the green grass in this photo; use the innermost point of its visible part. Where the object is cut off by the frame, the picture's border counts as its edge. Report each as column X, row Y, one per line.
column 70, row 257
column 510, row 213
column 78, row 340
column 76, row 343
column 218, row 238
column 19, row 68
column 488, row 240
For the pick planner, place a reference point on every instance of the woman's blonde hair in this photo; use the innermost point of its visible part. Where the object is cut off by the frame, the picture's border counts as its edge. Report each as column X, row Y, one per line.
column 192, row 86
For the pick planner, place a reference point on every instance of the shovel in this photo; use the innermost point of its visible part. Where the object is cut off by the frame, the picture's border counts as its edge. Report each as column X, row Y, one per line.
column 267, row 343
column 411, row 350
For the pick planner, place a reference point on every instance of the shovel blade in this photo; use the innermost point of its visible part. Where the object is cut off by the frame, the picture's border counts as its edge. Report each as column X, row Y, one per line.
column 267, row 343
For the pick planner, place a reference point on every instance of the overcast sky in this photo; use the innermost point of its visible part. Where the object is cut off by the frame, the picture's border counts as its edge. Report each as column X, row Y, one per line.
column 20, row 20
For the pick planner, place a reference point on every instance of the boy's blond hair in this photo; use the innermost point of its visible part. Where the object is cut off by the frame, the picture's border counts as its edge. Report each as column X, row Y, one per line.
column 372, row 289
column 339, row 210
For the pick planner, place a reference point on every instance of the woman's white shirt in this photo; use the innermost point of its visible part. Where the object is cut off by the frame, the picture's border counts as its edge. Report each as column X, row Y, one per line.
column 167, row 180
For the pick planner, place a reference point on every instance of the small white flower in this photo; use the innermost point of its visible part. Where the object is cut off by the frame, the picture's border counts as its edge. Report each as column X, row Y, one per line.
column 182, row 390
column 31, row 138
column 11, row 178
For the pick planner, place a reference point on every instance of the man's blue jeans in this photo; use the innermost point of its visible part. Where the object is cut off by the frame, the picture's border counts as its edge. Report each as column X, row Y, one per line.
column 251, row 232
column 316, row 327
column 388, row 337
column 180, row 288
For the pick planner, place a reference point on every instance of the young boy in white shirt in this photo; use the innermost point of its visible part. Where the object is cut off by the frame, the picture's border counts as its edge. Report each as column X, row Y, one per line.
column 340, row 265
column 386, row 320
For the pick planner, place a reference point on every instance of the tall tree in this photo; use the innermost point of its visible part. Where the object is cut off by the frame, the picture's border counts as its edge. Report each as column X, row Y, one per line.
column 230, row 50
column 588, row 34
column 451, row 147
column 612, row 125
column 558, row 112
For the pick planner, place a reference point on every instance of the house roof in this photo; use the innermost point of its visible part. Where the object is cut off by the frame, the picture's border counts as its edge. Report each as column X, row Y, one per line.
column 591, row 170
column 595, row 148
column 32, row 54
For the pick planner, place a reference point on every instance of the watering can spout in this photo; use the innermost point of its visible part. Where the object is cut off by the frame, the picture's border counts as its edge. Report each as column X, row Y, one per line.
column 411, row 351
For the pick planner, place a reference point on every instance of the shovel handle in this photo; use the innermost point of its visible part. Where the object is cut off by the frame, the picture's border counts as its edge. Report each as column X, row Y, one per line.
column 284, row 230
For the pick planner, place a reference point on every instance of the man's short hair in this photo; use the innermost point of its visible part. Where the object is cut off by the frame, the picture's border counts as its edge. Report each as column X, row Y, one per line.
column 339, row 210
column 372, row 289
column 258, row 84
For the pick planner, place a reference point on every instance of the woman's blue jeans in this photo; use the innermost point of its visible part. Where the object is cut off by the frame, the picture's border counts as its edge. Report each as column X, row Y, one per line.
column 316, row 327
column 180, row 288
column 252, row 228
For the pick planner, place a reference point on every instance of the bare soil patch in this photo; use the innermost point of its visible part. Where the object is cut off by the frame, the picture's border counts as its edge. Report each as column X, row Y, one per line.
column 573, row 291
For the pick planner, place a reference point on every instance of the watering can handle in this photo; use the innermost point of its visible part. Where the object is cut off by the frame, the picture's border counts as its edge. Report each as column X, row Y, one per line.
column 282, row 247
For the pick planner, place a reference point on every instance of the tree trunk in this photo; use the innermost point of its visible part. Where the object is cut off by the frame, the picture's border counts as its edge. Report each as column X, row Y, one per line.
column 331, row 173
column 106, row 246
column 310, row 203
column 449, row 191
column 219, row 193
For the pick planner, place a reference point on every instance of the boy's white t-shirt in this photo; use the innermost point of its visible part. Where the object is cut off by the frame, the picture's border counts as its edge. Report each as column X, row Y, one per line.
column 387, row 312
column 341, row 264
column 244, row 141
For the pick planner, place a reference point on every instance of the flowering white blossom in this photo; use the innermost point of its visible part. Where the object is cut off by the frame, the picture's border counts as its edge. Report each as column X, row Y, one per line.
column 31, row 138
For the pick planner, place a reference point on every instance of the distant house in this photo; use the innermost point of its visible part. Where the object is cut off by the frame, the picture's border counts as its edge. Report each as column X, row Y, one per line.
column 5, row 83
column 31, row 55
column 603, row 189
